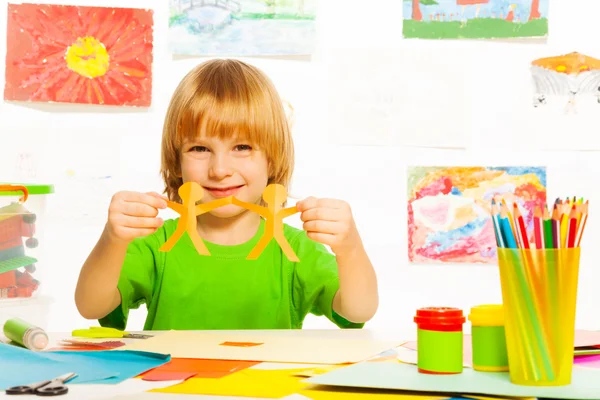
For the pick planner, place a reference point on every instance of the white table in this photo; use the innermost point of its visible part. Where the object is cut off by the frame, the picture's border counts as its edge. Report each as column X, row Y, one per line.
column 135, row 389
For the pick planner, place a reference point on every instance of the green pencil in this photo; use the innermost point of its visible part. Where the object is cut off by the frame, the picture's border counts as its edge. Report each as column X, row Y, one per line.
column 549, row 244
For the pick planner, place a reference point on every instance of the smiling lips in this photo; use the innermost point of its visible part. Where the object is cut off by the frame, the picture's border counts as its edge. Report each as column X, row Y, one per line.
column 224, row 191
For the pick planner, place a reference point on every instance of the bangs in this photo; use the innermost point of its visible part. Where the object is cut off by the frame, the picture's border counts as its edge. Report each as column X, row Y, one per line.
column 207, row 116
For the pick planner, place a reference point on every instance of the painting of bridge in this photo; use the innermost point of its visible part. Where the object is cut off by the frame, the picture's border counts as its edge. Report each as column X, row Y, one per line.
column 475, row 19
column 242, row 27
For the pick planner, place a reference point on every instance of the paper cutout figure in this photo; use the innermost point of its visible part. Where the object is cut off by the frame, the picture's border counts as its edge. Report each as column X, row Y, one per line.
column 274, row 195
column 190, row 193
column 571, row 75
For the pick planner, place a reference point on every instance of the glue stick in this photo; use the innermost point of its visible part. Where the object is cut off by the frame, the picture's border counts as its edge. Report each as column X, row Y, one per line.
column 25, row 334
column 440, row 340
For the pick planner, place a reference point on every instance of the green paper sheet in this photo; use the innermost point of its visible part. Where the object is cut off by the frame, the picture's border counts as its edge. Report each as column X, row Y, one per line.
column 585, row 383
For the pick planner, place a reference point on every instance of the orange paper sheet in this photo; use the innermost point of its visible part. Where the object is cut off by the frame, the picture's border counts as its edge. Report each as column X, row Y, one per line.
column 276, row 384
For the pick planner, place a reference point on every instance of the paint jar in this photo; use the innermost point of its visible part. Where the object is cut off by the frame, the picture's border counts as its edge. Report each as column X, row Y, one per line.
column 440, row 340
column 488, row 338
column 25, row 334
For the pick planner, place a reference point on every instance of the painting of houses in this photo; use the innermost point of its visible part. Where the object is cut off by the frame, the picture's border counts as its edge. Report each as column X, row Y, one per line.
column 475, row 19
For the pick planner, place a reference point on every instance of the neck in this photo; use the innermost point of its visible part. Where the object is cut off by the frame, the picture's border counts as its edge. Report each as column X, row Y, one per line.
column 228, row 231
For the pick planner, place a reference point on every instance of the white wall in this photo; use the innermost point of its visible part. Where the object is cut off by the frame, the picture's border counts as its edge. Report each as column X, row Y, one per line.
column 124, row 143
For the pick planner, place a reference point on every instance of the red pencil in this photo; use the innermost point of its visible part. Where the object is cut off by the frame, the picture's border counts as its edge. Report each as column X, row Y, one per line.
column 521, row 227
column 572, row 228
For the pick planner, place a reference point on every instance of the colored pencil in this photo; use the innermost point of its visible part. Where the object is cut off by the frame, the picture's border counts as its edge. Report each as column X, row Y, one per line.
column 556, row 228
column 581, row 226
column 521, row 230
column 572, row 228
column 507, row 232
column 538, row 228
column 549, row 244
column 495, row 213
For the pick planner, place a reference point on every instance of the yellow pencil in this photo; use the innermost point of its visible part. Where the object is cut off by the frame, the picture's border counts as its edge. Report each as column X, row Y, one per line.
column 564, row 224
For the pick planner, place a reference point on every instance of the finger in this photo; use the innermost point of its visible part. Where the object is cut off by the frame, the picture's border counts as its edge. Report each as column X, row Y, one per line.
column 319, row 226
column 324, row 238
column 138, row 210
column 322, row 213
column 306, row 204
column 140, row 222
column 158, row 196
column 331, row 203
column 145, row 198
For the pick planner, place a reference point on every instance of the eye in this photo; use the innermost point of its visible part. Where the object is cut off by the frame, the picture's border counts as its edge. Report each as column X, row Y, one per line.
column 243, row 147
column 198, row 149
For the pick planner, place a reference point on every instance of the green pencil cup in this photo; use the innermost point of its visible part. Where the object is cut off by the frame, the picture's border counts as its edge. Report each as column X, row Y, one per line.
column 440, row 340
column 488, row 338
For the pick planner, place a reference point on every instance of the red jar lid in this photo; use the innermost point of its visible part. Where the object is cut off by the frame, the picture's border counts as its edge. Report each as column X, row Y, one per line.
column 440, row 316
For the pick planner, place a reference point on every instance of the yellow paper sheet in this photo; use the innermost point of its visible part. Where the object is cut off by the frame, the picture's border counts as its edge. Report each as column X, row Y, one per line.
column 277, row 384
column 273, row 348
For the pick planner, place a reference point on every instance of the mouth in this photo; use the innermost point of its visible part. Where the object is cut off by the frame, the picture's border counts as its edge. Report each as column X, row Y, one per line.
column 223, row 191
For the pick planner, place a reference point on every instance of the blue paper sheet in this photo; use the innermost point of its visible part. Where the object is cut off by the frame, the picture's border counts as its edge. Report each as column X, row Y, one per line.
column 20, row 366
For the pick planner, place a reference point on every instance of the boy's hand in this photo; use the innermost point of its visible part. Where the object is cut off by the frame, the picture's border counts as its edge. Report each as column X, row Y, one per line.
column 330, row 222
column 133, row 214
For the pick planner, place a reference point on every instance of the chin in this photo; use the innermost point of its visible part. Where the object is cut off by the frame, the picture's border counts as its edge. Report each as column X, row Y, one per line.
column 228, row 211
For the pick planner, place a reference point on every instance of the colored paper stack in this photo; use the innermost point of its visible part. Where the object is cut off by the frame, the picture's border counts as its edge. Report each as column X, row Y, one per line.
column 538, row 273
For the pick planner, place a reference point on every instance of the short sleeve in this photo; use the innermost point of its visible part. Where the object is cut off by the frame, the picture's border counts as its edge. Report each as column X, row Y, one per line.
column 136, row 281
column 316, row 280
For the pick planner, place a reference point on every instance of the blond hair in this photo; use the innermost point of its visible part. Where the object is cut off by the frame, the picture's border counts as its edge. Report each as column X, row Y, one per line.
column 224, row 99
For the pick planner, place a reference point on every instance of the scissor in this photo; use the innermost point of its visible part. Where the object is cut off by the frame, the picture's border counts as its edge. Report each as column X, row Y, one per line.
column 54, row 387
column 102, row 332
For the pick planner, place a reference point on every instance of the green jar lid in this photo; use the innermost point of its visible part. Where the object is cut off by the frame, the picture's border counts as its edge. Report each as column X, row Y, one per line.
column 33, row 189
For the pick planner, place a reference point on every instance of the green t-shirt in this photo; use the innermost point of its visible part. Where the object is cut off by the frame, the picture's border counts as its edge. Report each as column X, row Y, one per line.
column 187, row 291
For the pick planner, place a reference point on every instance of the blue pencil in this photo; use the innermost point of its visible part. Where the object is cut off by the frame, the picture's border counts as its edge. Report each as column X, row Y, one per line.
column 507, row 233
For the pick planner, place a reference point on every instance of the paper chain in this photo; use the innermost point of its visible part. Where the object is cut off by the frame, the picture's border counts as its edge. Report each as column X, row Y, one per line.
column 274, row 195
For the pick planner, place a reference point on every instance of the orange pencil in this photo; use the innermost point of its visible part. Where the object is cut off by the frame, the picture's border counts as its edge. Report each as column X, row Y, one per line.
column 581, row 226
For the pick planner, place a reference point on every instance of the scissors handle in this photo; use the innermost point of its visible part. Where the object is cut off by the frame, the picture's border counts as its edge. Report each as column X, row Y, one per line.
column 55, row 388
column 26, row 389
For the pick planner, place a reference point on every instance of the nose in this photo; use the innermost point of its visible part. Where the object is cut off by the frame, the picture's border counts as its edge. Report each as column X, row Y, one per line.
column 220, row 167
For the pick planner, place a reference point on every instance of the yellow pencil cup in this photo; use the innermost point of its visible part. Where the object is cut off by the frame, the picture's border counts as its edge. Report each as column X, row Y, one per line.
column 488, row 338
column 539, row 292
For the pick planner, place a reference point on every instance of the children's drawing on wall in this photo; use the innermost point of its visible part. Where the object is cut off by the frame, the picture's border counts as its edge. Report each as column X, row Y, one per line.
column 570, row 78
column 475, row 19
column 242, row 27
column 74, row 54
column 449, row 209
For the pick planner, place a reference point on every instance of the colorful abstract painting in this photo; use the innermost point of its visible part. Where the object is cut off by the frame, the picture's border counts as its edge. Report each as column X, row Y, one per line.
column 449, row 209
column 242, row 27
column 75, row 54
column 475, row 19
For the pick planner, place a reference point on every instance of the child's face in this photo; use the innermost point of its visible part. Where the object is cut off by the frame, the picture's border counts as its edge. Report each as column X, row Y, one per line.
column 225, row 167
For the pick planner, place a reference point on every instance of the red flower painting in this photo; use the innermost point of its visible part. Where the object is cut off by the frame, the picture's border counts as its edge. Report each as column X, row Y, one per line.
column 75, row 54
